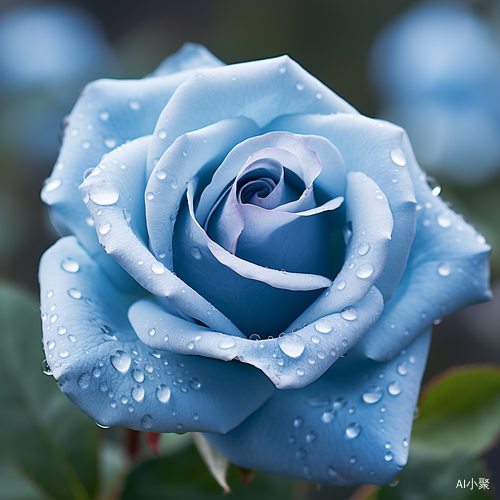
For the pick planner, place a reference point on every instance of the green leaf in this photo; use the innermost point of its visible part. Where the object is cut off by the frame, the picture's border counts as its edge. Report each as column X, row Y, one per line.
column 184, row 476
column 459, row 412
column 43, row 437
column 437, row 478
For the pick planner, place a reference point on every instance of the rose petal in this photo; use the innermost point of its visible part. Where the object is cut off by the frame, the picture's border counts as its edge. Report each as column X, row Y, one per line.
column 447, row 270
column 351, row 426
column 114, row 198
column 107, row 114
column 369, row 146
column 285, row 360
column 369, row 214
column 103, row 368
column 259, row 90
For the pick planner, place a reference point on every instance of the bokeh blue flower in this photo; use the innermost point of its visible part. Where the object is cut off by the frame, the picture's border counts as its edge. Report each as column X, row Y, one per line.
column 436, row 69
column 253, row 259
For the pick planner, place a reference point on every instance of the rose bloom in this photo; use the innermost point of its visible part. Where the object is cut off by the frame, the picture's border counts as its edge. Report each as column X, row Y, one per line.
column 252, row 259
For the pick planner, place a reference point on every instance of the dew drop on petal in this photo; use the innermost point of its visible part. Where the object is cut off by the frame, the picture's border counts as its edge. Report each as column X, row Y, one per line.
column 402, row 369
column 138, row 375
column 300, row 372
column 388, row 456
column 63, row 354
column 339, row 403
column 74, row 293
column 364, row 271
column 161, row 174
column 120, row 360
column 341, row 284
column 292, row 345
column 104, row 228
column 398, row 157
column 443, row 220
column 372, row 395
column 162, row 133
column 162, row 393
column 353, row 430
column 394, row 388
column 349, row 314
column 323, row 326
column 61, row 330
column 157, row 268
column 51, row 344
column 138, row 392
column 328, row 416
column 226, row 343
column 298, row 422
column 194, row 383
column 70, row 265
column 444, row 269
column 196, row 253
column 104, row 193
column 152, row 331
column 52, row 185
column 84, row 380
column 147, row 421
column 363, row 248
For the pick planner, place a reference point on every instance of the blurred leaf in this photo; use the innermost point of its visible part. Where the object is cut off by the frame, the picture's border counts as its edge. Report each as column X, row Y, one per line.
column 185, row 476
column 217, row 464
column 459, row 412
column 426, row 478
column 16, row 486
column 43, row 436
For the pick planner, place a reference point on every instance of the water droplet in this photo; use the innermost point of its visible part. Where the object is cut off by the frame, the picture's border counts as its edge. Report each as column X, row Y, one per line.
column 373, row 395
column 104, row 228
column 328, row 416
column 149, row 368
column 61, row 330
column 46, row 368
column 52, row 185
column 174, row 183
column 120, row 360
column 292, row 345
column 332, row 472
column 138, row 375
column 147, row 421
column 134, row 105
column 444, row 269
column 157, row 268
column 300, row 86
column 63, row 354
column 162, row 133
column 364, row 271
column 394, row 388
column 301, row 454
column 162, row 393
column 318, row 95
column 363, row 248
column 398, row 157
column 70, row 265
column 481, row 239
column 150, row 196
column 433, row 184
column 74, row 293
column 388, row 456
column 194, row 383
column 51, row 344
column 443, row 220
column 315, row 339
column 54, row 318
column 104, row 193
column 298, row 422
column 300, row 372
column 84, row 380
column 138, row 392
column 353, row 430
column 323, row 326
column 190, row 345
column 104, row 387
column 282, row 69
column 405, row 443
column 341, row 284
column 72, row 338
column 152, row 331
column 349, row 314
column 196, row 253
column 353, row 459
column 311, row 437
column 402, row 369
column 226, row 342
column 254, row 336
column 339, row 403
column 110, row 143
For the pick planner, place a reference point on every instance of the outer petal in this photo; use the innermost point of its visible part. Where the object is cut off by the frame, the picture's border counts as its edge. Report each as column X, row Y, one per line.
column 291, row 361
column 107, row 114
column 114, row 197
column 260, row 90
column 101, row 365
column 372, row 147
column 447, row 270
column 351, row 426
column 189, row 56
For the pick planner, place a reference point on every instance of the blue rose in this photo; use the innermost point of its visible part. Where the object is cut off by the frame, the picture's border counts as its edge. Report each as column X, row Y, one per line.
column 437, row 71
column 255, row 229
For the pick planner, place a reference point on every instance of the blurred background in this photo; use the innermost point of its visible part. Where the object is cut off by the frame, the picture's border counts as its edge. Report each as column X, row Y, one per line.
column 433, row 68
